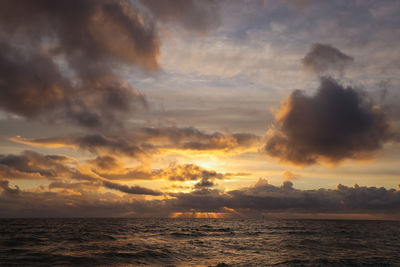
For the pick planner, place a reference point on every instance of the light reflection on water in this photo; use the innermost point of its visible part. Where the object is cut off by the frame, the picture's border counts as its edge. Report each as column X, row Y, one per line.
column 198, row 242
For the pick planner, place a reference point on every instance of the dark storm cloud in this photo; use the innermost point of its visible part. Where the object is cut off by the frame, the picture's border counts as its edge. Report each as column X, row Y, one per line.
column 336, row 123
column 195, row 15
column 58, row 59
column 137, row 190
column 322, row 58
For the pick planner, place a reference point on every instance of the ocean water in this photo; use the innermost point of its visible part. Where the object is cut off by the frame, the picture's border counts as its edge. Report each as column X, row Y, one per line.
column 198, row 242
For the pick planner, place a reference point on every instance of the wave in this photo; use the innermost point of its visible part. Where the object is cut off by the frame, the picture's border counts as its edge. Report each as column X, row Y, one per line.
column 197, row 242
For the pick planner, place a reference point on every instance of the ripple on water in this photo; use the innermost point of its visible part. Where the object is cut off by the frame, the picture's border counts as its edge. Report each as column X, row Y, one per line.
column 198, row 242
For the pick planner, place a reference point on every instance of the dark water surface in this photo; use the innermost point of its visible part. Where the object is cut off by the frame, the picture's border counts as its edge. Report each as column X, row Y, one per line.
column 198, row 242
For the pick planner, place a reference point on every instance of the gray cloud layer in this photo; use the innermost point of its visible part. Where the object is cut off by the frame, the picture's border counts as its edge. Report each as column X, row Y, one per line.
column 336, row 123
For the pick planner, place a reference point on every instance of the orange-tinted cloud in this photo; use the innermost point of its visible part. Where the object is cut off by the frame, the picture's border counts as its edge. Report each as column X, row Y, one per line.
column 174, row 173
column 62, row 171
column 104, row 171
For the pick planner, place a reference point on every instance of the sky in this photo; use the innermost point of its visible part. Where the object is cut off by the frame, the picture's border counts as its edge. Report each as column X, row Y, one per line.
column 200, row 108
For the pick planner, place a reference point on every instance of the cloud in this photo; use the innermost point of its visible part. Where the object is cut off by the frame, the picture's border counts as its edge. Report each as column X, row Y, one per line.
column 61, row 61
column 262, row 198
column 32, row 165
column 191, row 172
column 335, row 124
column 94, row 143
column 63, row 174
column 289, row 176
column 58, row 60
column 73, row 186
column 204, row 183
column 106, row 163
column 98, row 182
column 188, row 172
column 323, row 58
column 60, row 204
column 266, row 198
column 144, row 142
column 137, row 190
column 174, row 173
column 4, row 185
column 67, row 174
column 343, row 199
column 194, row 15
column 60, row 169
column 190, row 138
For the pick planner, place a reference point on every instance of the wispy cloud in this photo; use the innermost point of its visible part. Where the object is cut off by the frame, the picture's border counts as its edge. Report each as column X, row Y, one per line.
column 145, row 142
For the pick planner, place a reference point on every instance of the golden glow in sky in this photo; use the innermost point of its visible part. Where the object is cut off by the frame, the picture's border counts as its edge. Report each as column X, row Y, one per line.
column 223, row 109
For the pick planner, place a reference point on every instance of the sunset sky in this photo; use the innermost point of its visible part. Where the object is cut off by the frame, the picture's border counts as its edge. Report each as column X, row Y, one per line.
column 195, row 108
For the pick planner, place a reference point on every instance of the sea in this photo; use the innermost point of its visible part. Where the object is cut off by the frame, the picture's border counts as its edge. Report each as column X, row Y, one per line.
column 198, row 242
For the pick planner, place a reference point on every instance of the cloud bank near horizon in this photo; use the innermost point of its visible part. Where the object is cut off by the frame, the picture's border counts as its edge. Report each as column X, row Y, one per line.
column 253, row 201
